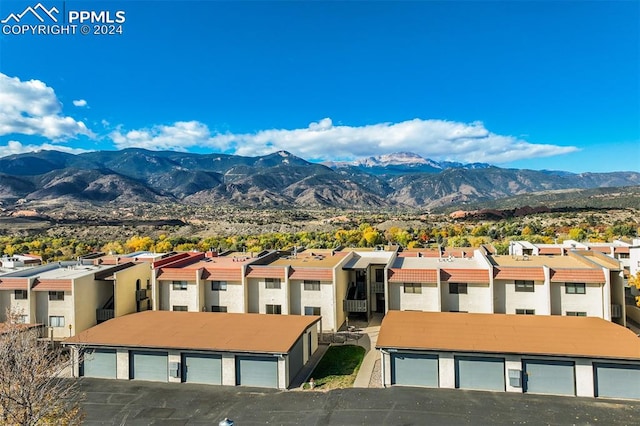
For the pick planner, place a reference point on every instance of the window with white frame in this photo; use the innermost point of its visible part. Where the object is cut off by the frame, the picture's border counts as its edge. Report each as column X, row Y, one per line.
column 457, row 288
column 413, row 288
column 523, row 286
column 576, row 314
column 575, row 288
column 525, row 311
column 56, row 321
column 272, row 283
column 218, row 308
column 180, row 308
column 218, row 286
column 312, row 310
column 22, row 319
column 180, row 285
column 274, row 309
column 56, row 295
column 20, row 294
column 310, row 285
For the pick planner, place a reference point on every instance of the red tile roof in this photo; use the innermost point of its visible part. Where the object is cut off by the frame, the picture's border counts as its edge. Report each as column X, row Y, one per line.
column 8, row 283
column 550, row 250
column 621, row 250
column 321, row 274
column 465, row 275
column 222, row 274
column 552, row 335
column 402, row 275
column 178, row 274
column 51, row 285
column 265, row 272
column 530, row 273
column 577, row 276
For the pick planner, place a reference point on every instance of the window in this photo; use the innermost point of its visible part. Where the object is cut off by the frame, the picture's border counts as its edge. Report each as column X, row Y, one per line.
column 272, row 283
column 274, row 309
column 56, row 295
column 218, row 286
column 216, row 308
column 574, row 288
column 379, row 275
column 179, row 285
column 576, row 314
column 312, row 285
column 524, row 286
column 20, row 294
column 623, row 255
column 311, row 310
column 412, row 288
column 180, row 308
column 22, row 319
column 457, row 288
column 56, row 321
column 525, row 311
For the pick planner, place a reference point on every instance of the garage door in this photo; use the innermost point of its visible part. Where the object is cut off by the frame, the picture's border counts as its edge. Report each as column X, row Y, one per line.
column 617, row 380
column 202, row 368
column 99, row 363
column 480, row 373
column 414, row 370
column 549, row 377
column 257, row 371
column 149, row 366
column 296, row 358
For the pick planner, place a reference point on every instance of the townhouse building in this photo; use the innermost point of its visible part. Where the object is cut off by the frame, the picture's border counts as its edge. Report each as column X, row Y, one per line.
column 70, row 297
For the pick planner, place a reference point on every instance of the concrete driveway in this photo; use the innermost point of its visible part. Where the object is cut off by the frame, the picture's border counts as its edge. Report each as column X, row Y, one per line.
column 115, row 402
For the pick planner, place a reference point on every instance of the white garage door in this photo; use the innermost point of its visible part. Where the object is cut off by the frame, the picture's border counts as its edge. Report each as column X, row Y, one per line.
column 410, row 369
column 480, row 373
column 99, row 363
column 257, row 371
column 202, row 368
column 617, row 380
column 549, row 377
column 152, row 366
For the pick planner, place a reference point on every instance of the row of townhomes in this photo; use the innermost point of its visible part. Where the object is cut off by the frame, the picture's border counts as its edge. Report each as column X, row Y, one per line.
column 145, row 315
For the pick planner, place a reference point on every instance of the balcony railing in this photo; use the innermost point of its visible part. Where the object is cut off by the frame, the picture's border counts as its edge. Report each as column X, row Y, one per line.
column 354, row 305
column 103, row 315
column 378, row 287
column 142, row 294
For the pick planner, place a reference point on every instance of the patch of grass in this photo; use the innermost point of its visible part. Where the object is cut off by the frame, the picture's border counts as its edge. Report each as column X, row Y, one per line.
column 338, row 367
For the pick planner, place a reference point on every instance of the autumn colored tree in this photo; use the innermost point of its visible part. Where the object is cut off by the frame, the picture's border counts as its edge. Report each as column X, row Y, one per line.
column 635, row 281
column 33, row 390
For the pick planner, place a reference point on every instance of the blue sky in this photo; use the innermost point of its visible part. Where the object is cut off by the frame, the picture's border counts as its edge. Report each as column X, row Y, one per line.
column 540, row 85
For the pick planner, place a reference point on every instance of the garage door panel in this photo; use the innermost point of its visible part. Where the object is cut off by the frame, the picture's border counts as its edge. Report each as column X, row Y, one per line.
column 202, row 368
column 100, row 363
column 480, row 373
column 617, row 380
column 152, row 366
column 257, row 371
column 414, row 369
column 549, row 377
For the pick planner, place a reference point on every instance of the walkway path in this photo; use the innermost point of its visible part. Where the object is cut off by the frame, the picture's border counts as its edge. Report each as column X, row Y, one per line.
column 368, row 341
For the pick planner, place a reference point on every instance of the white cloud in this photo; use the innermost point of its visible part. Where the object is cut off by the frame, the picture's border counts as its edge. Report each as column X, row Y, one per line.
column 436, row 139
column 15, row 147
column 32, row 108
column 80, row 103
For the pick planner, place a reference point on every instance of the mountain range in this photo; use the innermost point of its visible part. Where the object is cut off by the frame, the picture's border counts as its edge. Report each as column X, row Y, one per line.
column 400, row 180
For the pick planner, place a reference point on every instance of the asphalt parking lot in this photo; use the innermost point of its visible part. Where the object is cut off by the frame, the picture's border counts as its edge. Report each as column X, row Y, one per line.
column 115, row 402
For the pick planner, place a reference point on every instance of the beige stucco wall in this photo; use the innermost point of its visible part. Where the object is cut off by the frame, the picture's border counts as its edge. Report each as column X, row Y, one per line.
column 591, row 302
column 259, row 296
column 323, row 299
column 61, row 308
column 477, row 300
column 125, row 287
column 538, row 300
column 88, row 295
column 170, row 297
column 427, row 301
column 341, row 282
column 232, row 298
